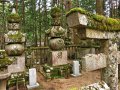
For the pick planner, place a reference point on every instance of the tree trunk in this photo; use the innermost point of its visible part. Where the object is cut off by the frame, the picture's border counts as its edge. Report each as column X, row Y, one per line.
column 99, row 7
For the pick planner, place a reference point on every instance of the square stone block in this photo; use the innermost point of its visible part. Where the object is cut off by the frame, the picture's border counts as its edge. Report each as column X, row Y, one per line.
column 58, row 58
column 13, row 26
column 18, row 65
column 93, row 62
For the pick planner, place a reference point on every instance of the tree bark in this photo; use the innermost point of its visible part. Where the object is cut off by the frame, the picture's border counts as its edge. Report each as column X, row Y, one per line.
column 99, row 7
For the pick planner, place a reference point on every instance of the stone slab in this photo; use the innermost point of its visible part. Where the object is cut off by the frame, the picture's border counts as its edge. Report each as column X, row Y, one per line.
column 92, row 62
column 32, row 77
column 97, row 34
column 18, row 65
column 58, row 58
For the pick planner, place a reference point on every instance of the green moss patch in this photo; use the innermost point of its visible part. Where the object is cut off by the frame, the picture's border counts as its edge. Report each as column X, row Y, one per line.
column 96, row 21
column 14, row 18
column 55, row 12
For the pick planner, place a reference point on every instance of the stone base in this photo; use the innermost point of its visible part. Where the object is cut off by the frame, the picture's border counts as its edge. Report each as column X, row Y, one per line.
column 33, row 86
column 58, row 58
column 18, row 65
column 76, row 75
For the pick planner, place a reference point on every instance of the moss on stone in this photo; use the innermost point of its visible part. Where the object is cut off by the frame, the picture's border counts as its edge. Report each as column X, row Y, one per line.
column 96, row 21
column 16, row 36
column 14, row 18
column 55, row 12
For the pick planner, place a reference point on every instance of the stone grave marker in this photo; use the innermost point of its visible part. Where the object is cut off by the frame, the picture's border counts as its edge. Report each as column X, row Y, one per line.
column 32, row 79
column 76, row 69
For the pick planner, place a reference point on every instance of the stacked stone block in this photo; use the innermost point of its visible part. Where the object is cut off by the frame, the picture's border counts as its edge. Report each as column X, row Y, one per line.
column 14, row 42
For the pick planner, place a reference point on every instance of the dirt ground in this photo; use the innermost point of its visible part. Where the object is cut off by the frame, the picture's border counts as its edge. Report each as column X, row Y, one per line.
column 72, row 83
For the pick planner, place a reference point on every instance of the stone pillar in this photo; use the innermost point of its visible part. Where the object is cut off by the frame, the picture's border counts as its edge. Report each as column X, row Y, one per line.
column 110, row 73
column 3, row 84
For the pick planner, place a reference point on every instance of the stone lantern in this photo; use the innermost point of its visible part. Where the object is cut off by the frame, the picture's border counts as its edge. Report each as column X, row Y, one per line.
column 14, row 42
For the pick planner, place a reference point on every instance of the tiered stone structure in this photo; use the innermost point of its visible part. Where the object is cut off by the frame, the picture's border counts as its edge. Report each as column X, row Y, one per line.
column 56, row 42
column 14, row 43
column 58, row 56
column 107, row 31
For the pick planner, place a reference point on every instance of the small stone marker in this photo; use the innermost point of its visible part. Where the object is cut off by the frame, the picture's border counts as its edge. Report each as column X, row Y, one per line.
column 76, row 70
column 32, row 79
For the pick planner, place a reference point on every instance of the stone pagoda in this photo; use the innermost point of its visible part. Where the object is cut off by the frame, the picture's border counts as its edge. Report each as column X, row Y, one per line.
column 14, row 43
column 56, row 42
column 58, row 56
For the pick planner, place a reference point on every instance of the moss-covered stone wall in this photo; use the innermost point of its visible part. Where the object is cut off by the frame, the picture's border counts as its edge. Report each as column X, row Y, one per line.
column 96, row 21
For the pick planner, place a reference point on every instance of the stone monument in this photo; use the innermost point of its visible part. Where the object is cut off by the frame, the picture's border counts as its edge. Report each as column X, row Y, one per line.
column 14, row 43
column 56, row 42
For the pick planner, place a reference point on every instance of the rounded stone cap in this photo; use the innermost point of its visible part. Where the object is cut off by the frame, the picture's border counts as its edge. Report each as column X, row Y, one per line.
column 4, row 75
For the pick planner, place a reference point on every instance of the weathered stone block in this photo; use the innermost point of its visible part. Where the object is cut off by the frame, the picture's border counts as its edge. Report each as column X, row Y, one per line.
column 93, row 62
column 18, row 65
column 58, row 58
column 97, row 34
column 96, row 86
column 77, row 20
column 13, row 26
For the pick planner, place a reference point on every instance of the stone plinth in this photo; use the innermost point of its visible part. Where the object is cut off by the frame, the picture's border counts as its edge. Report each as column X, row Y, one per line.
column 58, row 58
column 93, row 62
column 18, row 65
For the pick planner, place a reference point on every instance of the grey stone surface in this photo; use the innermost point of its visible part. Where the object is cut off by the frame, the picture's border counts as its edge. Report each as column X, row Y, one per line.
column 32, row 79
column 18, row 65
column 92, row 62
column 32, row 76
column 58, row 58
column 110, row 73
column 33, row 86
column 118, row 56
column 76, row 68
column 13, row 26
column 96, row 86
